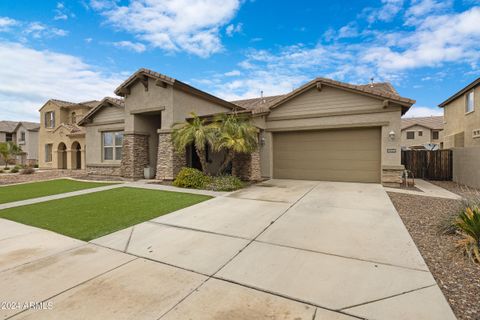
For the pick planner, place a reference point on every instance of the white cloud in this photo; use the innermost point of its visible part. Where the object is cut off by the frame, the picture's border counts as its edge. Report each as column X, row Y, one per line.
column 423, row 112
column 30, row 77
column 39, row 30
column 62, row 12
column 421, row 8
column 233, row 73
column 134, row 46
column 6, row 23
column 231, row 29
column 192, row 26
column 386, row 13
column 88, row 40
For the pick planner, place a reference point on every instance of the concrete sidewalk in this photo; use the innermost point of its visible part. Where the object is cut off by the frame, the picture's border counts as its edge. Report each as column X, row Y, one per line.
column 428, row 190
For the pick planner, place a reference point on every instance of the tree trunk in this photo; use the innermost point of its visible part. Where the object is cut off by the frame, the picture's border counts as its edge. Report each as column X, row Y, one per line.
column 228, row 158
column 203, row 159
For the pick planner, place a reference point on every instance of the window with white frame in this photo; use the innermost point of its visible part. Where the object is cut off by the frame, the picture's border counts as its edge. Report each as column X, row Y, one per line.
column 112, row 145
column 469, row 107
column 50, row 119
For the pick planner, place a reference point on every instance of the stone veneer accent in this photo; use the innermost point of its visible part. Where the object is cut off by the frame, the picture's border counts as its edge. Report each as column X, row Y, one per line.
column 169, row 162
column 104, row 170
column 392, row 177
column 134, row 155
column 247, row 166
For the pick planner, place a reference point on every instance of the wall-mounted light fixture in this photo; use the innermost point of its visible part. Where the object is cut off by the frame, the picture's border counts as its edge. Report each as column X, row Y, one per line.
column 391, row 135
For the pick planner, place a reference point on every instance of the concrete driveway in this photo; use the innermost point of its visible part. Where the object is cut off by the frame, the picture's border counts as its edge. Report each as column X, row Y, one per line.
column 282, row 249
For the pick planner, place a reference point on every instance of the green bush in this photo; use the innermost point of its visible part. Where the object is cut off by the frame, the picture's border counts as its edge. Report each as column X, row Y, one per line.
column 468, row 224
column 192, row 178
column 14, row 170
column 225, row 183
column 35, row 166
column 17, row 167
column 1, row 171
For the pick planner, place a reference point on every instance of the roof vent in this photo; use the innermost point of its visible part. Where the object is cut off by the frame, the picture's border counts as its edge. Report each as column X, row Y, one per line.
column 261, row 96
column 371, row 82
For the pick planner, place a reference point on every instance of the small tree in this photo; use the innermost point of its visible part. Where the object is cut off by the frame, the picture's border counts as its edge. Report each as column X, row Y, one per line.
column 8, row 149
column 196, row 132
column 234, row 134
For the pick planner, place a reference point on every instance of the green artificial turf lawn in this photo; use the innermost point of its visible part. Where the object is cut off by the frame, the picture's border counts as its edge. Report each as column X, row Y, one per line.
column 44, row 188
column 93, row 215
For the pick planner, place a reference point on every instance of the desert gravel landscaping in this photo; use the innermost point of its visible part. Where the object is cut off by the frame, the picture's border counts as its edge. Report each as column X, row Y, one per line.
column 458, row 278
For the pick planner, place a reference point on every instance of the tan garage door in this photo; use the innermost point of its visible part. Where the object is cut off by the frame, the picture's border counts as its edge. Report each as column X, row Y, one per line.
column 330, row 155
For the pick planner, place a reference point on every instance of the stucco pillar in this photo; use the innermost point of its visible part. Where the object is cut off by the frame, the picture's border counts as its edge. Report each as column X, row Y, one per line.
column 247, row 166
column 134, row 155
column 169, row 162
column 69, row 159
column 84, row 158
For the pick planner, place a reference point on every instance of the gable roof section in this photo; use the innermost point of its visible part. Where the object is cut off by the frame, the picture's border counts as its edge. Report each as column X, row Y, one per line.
column 68, row 104
column 107, row 101
column 30, row 126
column 72, row 129
column 8, row 126
column 163, row 80
column 434, row 123
column 383, row 91
column 469, row 87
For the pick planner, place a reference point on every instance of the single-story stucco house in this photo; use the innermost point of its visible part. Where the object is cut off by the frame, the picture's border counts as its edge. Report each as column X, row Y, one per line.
column 324, row 130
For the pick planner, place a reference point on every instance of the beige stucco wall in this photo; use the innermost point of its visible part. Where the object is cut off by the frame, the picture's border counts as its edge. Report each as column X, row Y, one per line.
column 458, row 123
column 56, row 137
column 30, row 145
column 109, row 118
column 335, row 108
column 466, row 166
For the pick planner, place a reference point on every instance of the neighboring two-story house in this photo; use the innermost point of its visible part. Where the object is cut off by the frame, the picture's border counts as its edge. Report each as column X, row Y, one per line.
column 462, row 117
column 61, row 141
column 25, row 135
column 422, row 132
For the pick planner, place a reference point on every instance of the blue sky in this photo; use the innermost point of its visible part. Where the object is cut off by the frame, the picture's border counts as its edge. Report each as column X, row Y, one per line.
column 82, row 49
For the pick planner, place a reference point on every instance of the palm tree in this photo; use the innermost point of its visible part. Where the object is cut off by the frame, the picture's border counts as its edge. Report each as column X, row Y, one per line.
column 235, row 134
column 196, row 132
column 8, row 149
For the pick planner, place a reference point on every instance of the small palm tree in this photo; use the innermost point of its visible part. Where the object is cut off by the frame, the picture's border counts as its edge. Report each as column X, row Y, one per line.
column 468, row 222
column 196, row 132
column 234, row 134
column 8, row 149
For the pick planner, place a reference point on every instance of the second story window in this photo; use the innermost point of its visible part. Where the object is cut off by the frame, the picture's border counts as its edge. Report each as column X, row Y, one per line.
column 74, row 118
column 435, row 135
column 22, row 136
column 50, row 119
column 470, row 102
column 410, row 135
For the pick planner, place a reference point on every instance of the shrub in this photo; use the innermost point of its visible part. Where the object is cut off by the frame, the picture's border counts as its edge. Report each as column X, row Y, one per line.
column 192, row 178
column 27, row 170
column 35, row 166
column 14, row 170
column 1, row 171
column 468, row 224
column 225, row 183
column 17, row 167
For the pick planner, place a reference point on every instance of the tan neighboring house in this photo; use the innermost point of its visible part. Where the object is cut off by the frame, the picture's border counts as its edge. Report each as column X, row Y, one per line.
column 462, row 133
column 61, row 142
column 25, row 135
column 419, row 132
column 462, row 117
column 324, row 130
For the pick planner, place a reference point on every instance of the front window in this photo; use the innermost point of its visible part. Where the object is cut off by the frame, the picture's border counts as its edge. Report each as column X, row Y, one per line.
column 22, row 136
column 112, row 145
column 410, row 135
column 50, row 119
column 470, row 102
column 435, row 135
column 48, row 152
column 9, row 136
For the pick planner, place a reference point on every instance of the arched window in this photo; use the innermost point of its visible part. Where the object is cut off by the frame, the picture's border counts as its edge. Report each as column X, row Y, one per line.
column 74, row 118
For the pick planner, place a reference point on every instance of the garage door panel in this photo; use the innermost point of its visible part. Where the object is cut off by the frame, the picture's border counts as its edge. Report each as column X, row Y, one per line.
column 332, row 155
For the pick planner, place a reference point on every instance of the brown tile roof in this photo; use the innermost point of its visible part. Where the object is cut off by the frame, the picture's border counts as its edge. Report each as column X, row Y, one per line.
column 8, row 126
column 30, row 126
column 257, row 103
column 73, row 129
column 66, row 104
column 470, row 86
column 435, row 123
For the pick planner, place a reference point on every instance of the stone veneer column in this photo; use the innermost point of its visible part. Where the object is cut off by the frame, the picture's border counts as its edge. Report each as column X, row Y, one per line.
column 392, row 176
column 134, row 155
column 247, row 166
column 169, row 162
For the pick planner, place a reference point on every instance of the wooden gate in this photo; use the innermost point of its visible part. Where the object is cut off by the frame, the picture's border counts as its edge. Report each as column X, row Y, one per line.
column 426, row 164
